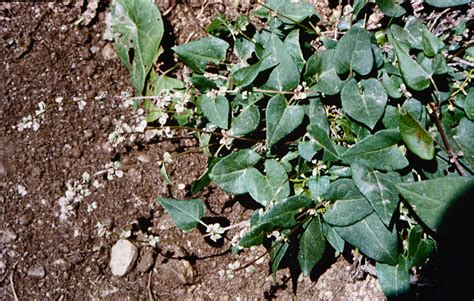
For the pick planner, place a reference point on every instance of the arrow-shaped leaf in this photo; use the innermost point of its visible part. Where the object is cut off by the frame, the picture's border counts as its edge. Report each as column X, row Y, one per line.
column 273, row 186
column 186, row 214
column 281, row 119
column 312, row 245
column 416, row 138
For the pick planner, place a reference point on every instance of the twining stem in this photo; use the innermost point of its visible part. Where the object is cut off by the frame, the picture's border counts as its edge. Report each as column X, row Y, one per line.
column 179, row 127
column 449, row 149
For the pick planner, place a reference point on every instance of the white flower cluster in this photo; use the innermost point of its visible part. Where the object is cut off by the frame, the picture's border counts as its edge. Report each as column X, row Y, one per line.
column 300, row 91
column 227, row 139
column 215, row 231
column 122, row 129
column 113, row 170
column 81, row 103
column 74, row 194
column 32, row 122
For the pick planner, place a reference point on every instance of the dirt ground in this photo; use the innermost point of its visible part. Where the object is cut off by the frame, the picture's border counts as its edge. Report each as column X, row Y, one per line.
column 52, row 250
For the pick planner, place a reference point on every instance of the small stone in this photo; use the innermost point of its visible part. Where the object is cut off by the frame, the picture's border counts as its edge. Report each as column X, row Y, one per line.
column 143, row 158
column 147, row 259
column 7, row 236
column 36, row 272
column 122, row 257
column 150, row 134
column 26, row 218
column 108, row 52
column 88, row 134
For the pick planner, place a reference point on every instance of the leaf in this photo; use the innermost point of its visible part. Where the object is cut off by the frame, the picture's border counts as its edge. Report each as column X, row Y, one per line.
column 308, row 149
column 391, row 8
column 285, row 76
column 419, row 249
column 431, row 44
column 292, row 43
column 413, row 74
column 350, row 206
column 273, row 187
column 246, row 75
column 186, row 214
column 247, row 121
column 379, row 189
column 447, row 3
column 216, row 110
column 204, row 180
column 281, row 119
column 289, row 12
column 464, row 138
column 353, row 52
column 416, row 138
column 277, row 253
column 364, row 101
column 334, row 239
column 411, row 34
column 372, row 237
column 197, row 54
column 379, row 151
column 230, row 173
column 321, row 73
column 158, row 83
column 244, row 49
column 312, row 245
column 322, row 139
column 138, row 28
column 392, row 85
column 469, row 104
column 430, row 199
column 394, row 279
column 318, row 186
column 317, row 114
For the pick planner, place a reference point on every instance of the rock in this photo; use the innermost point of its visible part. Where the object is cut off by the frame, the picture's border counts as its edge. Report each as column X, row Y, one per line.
column 177, row 267
column 122, row 257
column 108, row 52
column 147, row 259
column 88, row 134
column 143, row 158
column 37, row 272
column 150, row 134
column 26, row 218
column 7, row 236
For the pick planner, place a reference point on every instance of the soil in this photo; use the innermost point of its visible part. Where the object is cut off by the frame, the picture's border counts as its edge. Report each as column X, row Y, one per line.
column 46, row 53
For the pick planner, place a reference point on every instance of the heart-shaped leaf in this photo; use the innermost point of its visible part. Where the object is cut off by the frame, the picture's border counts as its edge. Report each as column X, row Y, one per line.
column 431, row 199
column 321, row 138
column 353, row 52
column 391, row 8
column 281, row 119
column 186, row 214
column 273, row 187
column 247, row 121
column 216, row 110
column 231, row 172
column 378, row 188
column 246, row 75
column 197, row 54
column 321, row 73
column 364, row 101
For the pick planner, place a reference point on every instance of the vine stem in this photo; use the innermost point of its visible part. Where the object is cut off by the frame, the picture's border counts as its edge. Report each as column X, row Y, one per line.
column 449, row 149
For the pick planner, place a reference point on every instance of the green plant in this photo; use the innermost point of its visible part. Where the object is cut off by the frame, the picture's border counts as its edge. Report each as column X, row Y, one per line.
column 367, row 142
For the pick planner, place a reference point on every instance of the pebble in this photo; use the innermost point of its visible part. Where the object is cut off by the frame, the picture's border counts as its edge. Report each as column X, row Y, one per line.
column 36, row 272
column 7, row 236
column 150, row 134
column 108, row 52
column 143, row 158
column 147, row 259
column 88, row 134
column 122, row 257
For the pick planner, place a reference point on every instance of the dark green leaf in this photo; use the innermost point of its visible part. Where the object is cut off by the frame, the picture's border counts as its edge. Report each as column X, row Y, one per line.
column 393, row 85
column 322, row 139
column 282, row 215
column 138, row 28
column 419, row 249
column 416, row 138
column 289, row 12
column 318, row 186
column 431, row 199
column 379, row 189
column 391, row 8
column 321, row 73
column 273, row 187
column 197, row 54
column 350, row 206
column 317, row 114
column 353, row 52
column 247, row 121
column 469, row 104
column 373, row 238
column 431, row 44
column 158, row 83
column 231, row 172
column 281, row 119
column 411, row 34
column 464, row 138
column 246, row 75
column 394, row 279
column 379, row 151
column 364, row 101
column 312, row 245
column 292, row 43
column 334, row 239
column 186, row 214
column 447, row 3
column 216, row 110
column 308, row 149
column 277, row 253
column 244, row 49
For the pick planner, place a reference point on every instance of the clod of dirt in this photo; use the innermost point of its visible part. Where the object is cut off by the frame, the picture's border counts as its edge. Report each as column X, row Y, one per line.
column 122, row 257
column 37, row 272
column 147, row 259
column 7, row 236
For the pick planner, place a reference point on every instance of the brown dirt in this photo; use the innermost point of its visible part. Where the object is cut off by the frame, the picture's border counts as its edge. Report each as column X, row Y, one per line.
column 45, row 55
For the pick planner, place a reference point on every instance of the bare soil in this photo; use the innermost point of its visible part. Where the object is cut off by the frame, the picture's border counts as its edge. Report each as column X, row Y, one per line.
column 46, row 54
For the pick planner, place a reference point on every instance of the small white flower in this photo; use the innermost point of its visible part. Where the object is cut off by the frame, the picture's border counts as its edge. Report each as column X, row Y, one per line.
column 163, row 119
column 97, row 184
column 126, row 234
column 101, row 229
column 21, row 190
column 226, row 139
column 179, row 107
column 81, row 104
column 153, row 240
column 215, row 231
column 167, row 158
column 86, row 177
column 91, row 207
column 181, row 186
